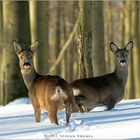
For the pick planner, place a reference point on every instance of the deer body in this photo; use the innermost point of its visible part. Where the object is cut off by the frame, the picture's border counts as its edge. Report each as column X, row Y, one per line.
column 107, row 89
column 47, row 92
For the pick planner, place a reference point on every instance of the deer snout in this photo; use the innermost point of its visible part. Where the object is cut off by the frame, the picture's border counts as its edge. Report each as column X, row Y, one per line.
column 27, row 65
column 123, row 63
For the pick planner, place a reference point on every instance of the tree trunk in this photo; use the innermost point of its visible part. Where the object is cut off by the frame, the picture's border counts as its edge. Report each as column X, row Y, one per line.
column 130, row 89
column 72, row 49
column 39, row 23
column 16, row 25
column 136, row 49
column 58, row 35
column 109, row 32
column 63, row 39
column 85, row 40
column 98, row 38
column 1, row 55
column 121, row 25
column 87, row 35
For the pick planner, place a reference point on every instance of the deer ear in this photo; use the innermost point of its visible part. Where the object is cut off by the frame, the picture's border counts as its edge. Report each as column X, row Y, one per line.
column 113, row 47
column 34, row 46
column 129, row 46
column 17, row 47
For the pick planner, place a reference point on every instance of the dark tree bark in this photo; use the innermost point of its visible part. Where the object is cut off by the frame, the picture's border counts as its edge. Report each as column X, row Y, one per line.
column 16, row 25
column 85, row 40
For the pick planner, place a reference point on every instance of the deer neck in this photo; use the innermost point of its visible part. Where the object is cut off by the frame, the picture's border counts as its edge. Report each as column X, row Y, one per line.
column 122, row 74
column 29, row 78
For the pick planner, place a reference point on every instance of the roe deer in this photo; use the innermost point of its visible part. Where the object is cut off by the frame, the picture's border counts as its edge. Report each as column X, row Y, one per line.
column 107, row 89
column 47, row 92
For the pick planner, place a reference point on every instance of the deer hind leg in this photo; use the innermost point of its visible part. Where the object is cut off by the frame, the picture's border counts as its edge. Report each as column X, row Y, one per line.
column 109, row 107
column 37, row 115
column 52, row 114
column 68, row 111
column 81, row 108
column 80, row 100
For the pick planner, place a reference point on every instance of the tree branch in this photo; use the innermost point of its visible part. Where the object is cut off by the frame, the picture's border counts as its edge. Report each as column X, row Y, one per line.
column 65, row 46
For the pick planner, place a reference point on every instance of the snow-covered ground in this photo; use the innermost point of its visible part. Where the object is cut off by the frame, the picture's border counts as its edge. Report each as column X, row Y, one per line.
column 17, row 122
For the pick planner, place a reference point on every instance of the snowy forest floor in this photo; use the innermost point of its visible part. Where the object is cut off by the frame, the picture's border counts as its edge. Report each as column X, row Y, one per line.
column 123, row 122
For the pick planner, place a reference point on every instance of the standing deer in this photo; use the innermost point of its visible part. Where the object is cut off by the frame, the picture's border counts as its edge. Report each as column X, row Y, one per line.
column 107, row 89
column 46, row 92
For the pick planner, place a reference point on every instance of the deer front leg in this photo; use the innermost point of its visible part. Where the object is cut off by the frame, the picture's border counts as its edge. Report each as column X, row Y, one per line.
column 68, row 111
column 36, row 106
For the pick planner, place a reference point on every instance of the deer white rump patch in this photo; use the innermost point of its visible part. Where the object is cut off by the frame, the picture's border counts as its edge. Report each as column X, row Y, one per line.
column 76, row 91
column 59, row 94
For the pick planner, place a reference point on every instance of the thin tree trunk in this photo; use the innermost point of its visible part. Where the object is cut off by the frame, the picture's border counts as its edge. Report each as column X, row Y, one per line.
column 75, row 42
column 130, row 89
column 1, row 55
column 52, row 69
column 121, row 25
column 71, row 50
column 111, row 35
column 108, row 26
column 63, row 39
column 85, row 40
column 136, row 49
column 16, row 25
column 65, row 35
column 39, row 24
column 87, row 35
column 58, row 35
column 98, row 38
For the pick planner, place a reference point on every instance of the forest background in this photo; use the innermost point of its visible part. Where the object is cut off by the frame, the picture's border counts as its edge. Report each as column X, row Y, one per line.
column 74, row 39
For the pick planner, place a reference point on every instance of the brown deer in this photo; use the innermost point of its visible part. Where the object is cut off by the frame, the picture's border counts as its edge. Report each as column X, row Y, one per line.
column 107, row 89
column 46, row 92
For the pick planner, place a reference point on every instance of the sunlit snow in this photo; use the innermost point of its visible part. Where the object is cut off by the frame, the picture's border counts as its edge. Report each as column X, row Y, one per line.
column 123, row 122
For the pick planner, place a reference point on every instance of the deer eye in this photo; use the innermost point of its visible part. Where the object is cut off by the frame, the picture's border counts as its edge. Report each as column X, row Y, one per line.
column 126, row 55
column 21, row 57
column 117, row 55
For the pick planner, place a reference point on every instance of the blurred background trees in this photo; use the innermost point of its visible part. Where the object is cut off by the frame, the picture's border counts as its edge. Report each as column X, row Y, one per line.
column 74, row 38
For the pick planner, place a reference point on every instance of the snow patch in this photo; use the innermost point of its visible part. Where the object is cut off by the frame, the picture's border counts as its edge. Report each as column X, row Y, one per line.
column 19, row 101
column 123, row 122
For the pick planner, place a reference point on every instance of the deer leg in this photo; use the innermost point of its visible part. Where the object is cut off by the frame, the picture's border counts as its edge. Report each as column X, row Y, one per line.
column 68, row 111
column 81, row 109
column 36, row 107
column 37, row 115
column 52, row 114
column 109, row 107
column 111, row 104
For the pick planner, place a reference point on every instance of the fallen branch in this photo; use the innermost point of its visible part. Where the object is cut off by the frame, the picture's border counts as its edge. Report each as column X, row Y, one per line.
column 64, row 48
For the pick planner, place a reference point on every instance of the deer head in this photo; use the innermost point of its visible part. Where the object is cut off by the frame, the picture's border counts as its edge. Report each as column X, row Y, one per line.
column 25, row 56
column 121, row 55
